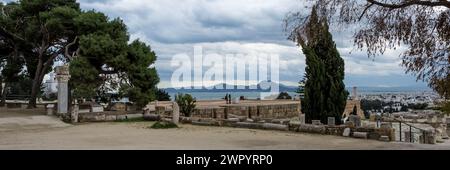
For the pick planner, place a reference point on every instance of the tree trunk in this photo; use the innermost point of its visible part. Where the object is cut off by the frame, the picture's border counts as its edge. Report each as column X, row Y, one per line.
column 34, row 92
column 2, row 102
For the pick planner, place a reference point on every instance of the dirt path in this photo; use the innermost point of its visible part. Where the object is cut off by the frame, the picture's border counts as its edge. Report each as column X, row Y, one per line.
column 138, row 136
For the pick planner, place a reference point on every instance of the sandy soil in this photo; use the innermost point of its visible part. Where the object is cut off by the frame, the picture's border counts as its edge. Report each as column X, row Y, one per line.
column 137, row 135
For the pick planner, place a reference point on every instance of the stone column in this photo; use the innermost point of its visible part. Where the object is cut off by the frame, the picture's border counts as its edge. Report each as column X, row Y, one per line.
column 63, row 76
column 176, row 113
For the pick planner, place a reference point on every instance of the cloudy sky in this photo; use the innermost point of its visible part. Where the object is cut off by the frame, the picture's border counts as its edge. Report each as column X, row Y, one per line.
column 240, row 27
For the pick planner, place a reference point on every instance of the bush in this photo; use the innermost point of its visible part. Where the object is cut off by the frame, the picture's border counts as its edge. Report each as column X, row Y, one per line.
column 284, row 95
column 186, row 103
column 446, row 108
column 162, row 95
column 164, row 125
column 419, row 106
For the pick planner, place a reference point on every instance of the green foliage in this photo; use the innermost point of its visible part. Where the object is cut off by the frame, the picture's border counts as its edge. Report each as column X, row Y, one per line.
column 186, row 103
column 284, row 95
column 355, row 110
column 164, row 125
column 372, row 105
column 98, row 49
column 84, row 78
column 162, row 95
column 446, row 108
column 418, row 106
column 325, row 94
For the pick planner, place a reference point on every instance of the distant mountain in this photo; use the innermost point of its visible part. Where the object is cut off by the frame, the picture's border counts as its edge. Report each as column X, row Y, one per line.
column 285, row 88
column 392, row 89
column 261, row 87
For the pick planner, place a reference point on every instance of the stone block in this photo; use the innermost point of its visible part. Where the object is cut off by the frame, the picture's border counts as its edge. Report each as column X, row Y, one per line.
column 316, row 122
column 350, row 124
column 347, row 132
column 302, row 118
column 50, row 109
column 386, row 125
column 385, row 139
column 134, row 116
column 331, row 121
column 199, row 123
column 152, row 117
column 185, row 120
column 271, row 126
column 361, row 135
column 97, row 109
column 312, row 128
column 13, row 105
column 110, row 117
column 121, row 117
column 356, row 120
column 249, row 125
column 374, row 136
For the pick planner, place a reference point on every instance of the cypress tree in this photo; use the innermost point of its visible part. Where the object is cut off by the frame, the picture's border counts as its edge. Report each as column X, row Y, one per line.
column 325, row 94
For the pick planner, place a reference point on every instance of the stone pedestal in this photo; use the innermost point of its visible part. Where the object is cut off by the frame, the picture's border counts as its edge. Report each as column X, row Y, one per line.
column 356, row 120
column 316, row 122
column 175, row 113
column 74, row 114
column 331, row 121
column 50, row 109
column 302, row 119
column 63, row 76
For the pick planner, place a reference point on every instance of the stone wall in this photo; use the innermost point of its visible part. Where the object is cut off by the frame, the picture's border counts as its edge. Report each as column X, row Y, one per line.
column 276, row 111
column 351, row 104
column 272, row 111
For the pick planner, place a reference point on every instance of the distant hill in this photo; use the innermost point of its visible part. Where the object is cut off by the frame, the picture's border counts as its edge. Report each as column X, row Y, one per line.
column 261, row 87
column 285, row 88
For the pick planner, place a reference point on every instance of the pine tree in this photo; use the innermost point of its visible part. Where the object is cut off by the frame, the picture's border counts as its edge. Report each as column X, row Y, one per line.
column 325, row 94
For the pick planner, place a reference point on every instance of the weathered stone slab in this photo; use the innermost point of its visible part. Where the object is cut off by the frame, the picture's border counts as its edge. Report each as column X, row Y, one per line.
column 302, row 119
column 198, row 123
column 152, row 117
column 88, row 117
column 312, row 128
column 271, row 126
column 280, row 121
column 134, row 116
column 349, row 124
column 13, row 105
column 175, row 113
column 249, row 125
column 385, row 139
column 331, row 121
column 97, row 109
column 316, row 122
column 110, row 117
column 347, row 132
column 50, row 109
column 121, row 117
column 386, row 125
column 361, row 135
column 356, row 120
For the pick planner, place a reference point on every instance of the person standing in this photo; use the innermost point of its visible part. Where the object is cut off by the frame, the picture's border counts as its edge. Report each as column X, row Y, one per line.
column 226, row 98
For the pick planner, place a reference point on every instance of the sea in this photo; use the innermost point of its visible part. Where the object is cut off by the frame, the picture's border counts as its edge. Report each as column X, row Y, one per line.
column 257, row 95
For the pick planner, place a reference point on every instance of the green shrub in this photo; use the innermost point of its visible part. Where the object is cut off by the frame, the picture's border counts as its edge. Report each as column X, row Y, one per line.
column 284, row 95
column 186, row 103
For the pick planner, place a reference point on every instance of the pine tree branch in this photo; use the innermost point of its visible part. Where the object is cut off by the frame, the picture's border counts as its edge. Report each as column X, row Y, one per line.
column 442, row 3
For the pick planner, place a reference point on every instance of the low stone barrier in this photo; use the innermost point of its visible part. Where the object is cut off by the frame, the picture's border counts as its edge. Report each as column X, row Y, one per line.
column 271, row 126
column 248, row 125
column 105, row 117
